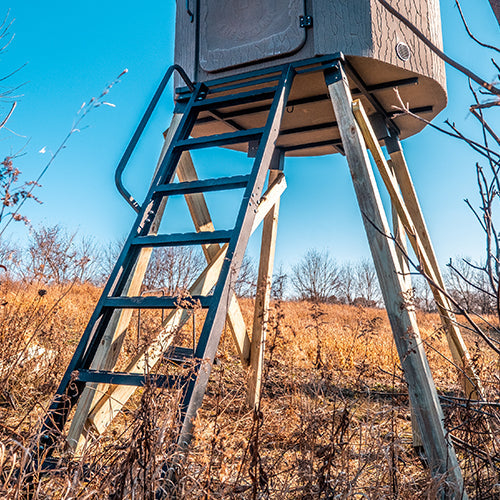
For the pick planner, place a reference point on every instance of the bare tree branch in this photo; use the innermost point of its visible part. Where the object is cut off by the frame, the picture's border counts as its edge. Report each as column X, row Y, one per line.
column 486, row 105
column 485, row 124
column 6, row 119
column 469, row 282
column 488, row 86
column 459, row 309
column 476, row 146
column 12, row 73
column 492, row 47
column 484, row 151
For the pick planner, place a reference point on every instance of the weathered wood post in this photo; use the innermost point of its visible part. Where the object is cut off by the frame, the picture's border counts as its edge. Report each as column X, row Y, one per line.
column 423, row 394
column 263, row 293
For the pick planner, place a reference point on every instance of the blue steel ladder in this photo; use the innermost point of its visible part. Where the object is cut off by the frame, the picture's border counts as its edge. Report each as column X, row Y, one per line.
column 79, row 372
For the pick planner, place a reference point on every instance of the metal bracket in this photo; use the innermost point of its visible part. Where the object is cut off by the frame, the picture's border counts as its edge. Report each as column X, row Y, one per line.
column 306, row 21
column 253, row 147
column 202, row 92
column 379, row 125
column 392, row 143
column 334, row 73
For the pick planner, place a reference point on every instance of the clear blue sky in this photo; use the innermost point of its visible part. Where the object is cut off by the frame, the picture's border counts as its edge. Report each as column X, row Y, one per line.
column 73, row 49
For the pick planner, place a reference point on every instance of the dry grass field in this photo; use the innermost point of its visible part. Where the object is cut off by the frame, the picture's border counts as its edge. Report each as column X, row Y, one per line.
column 334, row 419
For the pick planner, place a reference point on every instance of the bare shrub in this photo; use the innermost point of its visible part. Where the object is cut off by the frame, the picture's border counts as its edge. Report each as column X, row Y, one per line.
column 423, row 297
column 246, row 283
column 366, row 284
column 316, row 277
column 333, row 425
column 469, row 285
column 56, row 256
column 173, row 268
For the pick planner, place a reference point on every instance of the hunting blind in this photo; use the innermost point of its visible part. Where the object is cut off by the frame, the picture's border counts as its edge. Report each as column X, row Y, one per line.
column 272, row 79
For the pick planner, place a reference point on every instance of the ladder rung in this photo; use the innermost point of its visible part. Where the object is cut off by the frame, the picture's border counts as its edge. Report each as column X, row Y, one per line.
column 178, row 354
column 226, row 101
column 221, row 139
column 203, row 186
column 159, row 302
column 124, row 378
column 179, row 239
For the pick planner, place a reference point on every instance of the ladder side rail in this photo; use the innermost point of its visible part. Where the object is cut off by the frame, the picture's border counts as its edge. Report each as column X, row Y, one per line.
column 59, row 409
column 113, row 400
column 110, row 346
column 216, row 315
column 251, row 197
column 144, row 221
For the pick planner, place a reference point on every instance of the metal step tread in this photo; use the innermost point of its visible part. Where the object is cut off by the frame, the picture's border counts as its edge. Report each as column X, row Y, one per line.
column 179, row 354
column 190, row 302
column 179, row 239
column 228, row 100
column 124, row 378
column 203, row 186
column 220, row 139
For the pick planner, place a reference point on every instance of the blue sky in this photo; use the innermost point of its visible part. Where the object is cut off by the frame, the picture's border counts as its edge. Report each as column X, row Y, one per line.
column 73, row 50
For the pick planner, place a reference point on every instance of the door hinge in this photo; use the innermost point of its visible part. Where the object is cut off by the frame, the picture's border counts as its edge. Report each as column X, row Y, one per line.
column 305, row 21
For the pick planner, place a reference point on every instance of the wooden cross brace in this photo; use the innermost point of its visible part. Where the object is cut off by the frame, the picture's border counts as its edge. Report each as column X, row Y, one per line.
column 100, row 403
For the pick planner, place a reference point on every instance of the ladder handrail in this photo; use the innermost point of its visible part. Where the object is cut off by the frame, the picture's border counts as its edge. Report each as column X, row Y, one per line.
column 140, row 129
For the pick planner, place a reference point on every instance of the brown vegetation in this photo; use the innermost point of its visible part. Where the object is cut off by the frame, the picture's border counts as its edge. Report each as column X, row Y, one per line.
column 334, row 420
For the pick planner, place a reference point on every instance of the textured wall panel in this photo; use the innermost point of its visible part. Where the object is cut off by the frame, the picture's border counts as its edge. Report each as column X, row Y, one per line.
column 233, row 37
column 387, row 32
column 342, row 26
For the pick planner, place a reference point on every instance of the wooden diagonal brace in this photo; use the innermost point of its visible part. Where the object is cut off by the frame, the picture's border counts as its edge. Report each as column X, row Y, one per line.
column 203, row 222
column 112, row 341
column 116, row 396
column 113, row 400
column 109, row 350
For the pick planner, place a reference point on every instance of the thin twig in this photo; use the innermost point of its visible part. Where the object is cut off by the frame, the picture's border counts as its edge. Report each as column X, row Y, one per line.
column 492, row 47
column 404, row 109
column 485, row 105
column 84, row 110
column 13, row 72
column 6, row 119
column 451, row 266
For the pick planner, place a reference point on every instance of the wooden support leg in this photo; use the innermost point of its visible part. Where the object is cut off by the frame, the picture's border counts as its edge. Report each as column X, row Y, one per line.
column 458, row 348
column 262, row 297
column 420, row 241
column 399, row 233
column 421, row 388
